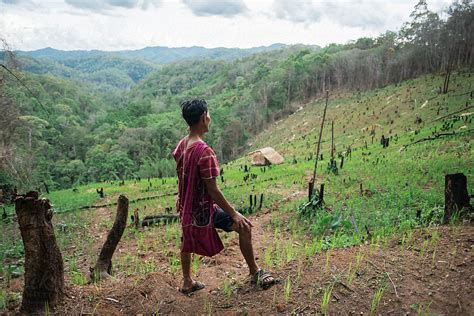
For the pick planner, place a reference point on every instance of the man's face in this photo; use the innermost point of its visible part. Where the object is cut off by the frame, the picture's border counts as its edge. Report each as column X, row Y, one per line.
column 207, row 120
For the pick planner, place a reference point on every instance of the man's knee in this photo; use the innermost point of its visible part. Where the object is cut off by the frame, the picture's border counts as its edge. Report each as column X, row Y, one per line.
column 245, row 231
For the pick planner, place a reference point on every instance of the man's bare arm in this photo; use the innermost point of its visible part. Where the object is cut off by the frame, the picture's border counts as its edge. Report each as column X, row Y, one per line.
column 218, row 197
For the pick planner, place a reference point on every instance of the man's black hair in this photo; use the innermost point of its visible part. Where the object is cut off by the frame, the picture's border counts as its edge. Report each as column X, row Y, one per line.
column 192, row 110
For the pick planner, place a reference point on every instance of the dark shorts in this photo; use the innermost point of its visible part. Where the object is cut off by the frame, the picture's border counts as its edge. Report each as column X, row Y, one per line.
column 222, row 220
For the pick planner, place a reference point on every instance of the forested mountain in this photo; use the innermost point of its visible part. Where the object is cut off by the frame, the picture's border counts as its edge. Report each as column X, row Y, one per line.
column 65, row 133
column 158, row 54
column 121, row 69
column 110, row 71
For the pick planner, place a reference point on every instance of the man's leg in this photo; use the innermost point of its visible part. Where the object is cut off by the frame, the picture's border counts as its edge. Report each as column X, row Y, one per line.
column 246, row 247
column 186, row 267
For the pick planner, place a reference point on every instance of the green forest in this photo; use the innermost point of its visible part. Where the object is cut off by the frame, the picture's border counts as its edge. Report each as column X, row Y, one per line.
column 93, row 117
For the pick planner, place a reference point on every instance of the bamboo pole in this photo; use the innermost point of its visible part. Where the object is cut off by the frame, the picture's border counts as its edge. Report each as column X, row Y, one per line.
column 319, row 142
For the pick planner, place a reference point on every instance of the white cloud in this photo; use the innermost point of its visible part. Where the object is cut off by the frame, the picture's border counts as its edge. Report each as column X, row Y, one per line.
column 227, row 8
column 297, row 11
column 134, row 24
column 100, row 6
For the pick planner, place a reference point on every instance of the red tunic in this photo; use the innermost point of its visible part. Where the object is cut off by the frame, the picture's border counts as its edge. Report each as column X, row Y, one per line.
column 195, row 205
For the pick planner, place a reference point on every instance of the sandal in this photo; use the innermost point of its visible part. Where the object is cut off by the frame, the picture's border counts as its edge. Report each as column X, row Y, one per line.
column 263, row 279
column 196, row 287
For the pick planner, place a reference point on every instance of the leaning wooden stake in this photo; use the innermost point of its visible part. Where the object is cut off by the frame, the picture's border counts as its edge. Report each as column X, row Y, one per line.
column 103, row 267
column 455, row 195
column 44, row 269
column 332, row 140
column 313, row 179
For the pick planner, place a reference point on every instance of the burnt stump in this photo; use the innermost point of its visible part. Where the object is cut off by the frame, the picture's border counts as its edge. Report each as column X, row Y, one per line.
column 44, row 268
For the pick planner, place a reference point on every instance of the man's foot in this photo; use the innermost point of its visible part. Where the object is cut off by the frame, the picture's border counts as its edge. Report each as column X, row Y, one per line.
column 263, row 279
column 196, row 286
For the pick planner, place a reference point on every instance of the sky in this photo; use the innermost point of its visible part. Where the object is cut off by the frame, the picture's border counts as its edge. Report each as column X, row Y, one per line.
column 134, row 24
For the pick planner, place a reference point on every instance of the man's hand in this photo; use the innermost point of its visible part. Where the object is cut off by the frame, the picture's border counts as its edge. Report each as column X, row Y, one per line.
column 218, row 197
column 241, row 221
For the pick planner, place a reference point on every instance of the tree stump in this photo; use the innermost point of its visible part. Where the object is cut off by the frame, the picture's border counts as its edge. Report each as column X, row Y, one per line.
column 44, row 270
column 103, row 267
column 136, row 218
column 455, row 194
column 310, row 189
column 100, row 192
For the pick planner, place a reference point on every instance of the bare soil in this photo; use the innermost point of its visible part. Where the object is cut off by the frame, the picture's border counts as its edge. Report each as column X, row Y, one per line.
column 415, row 279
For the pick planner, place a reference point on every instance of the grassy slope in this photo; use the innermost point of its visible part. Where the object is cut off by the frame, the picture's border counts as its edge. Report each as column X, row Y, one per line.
column 401, row 183
column 410, row 179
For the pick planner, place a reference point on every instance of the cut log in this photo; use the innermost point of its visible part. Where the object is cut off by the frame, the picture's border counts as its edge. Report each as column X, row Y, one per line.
column 455, row 195
column 155, row 219
column 103, row 266
column 44, row 268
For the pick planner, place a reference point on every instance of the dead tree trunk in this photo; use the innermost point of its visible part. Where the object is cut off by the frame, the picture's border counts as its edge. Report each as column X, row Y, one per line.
column 103, row 267
column 44, row 270
column 446, row 80
column 455, row 194
column 313, row 179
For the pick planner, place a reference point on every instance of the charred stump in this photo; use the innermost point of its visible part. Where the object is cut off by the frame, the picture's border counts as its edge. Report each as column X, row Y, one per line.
column 310, row 190
column 455, row 194
column 103, row 267
column 136, row 218
column 44, row 269
column 321, row 193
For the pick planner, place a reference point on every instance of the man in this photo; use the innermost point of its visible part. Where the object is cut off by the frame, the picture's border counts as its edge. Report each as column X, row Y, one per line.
column 197, row 169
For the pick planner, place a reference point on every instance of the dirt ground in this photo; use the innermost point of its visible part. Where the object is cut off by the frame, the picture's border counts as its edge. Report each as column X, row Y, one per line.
column 415, row 281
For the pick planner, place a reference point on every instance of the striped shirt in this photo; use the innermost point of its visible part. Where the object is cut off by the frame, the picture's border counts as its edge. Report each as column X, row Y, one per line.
column 208, row 167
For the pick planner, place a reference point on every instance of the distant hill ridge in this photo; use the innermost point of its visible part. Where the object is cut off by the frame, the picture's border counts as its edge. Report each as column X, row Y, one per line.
column 159, row 54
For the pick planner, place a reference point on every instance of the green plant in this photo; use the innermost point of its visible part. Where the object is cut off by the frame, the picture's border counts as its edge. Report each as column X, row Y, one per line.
column 433, row 258
column 229, row 288
column 268, row 257
column 454, row 218
column 47, row 309
column 195, row 264
column 424, row 247
column 287, row 289
column 350, row 274
column 290, row 251
column 208, row 306
column 326, row 266
column 174, row 264
column 422, row 310
column 376, row 300
column 434, row 238
column 3, row 298
column 359, row 259
column 78, row 278
column 326, row 298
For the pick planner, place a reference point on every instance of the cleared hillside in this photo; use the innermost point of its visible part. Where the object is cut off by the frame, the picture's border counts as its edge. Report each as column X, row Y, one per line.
column 357, row 244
